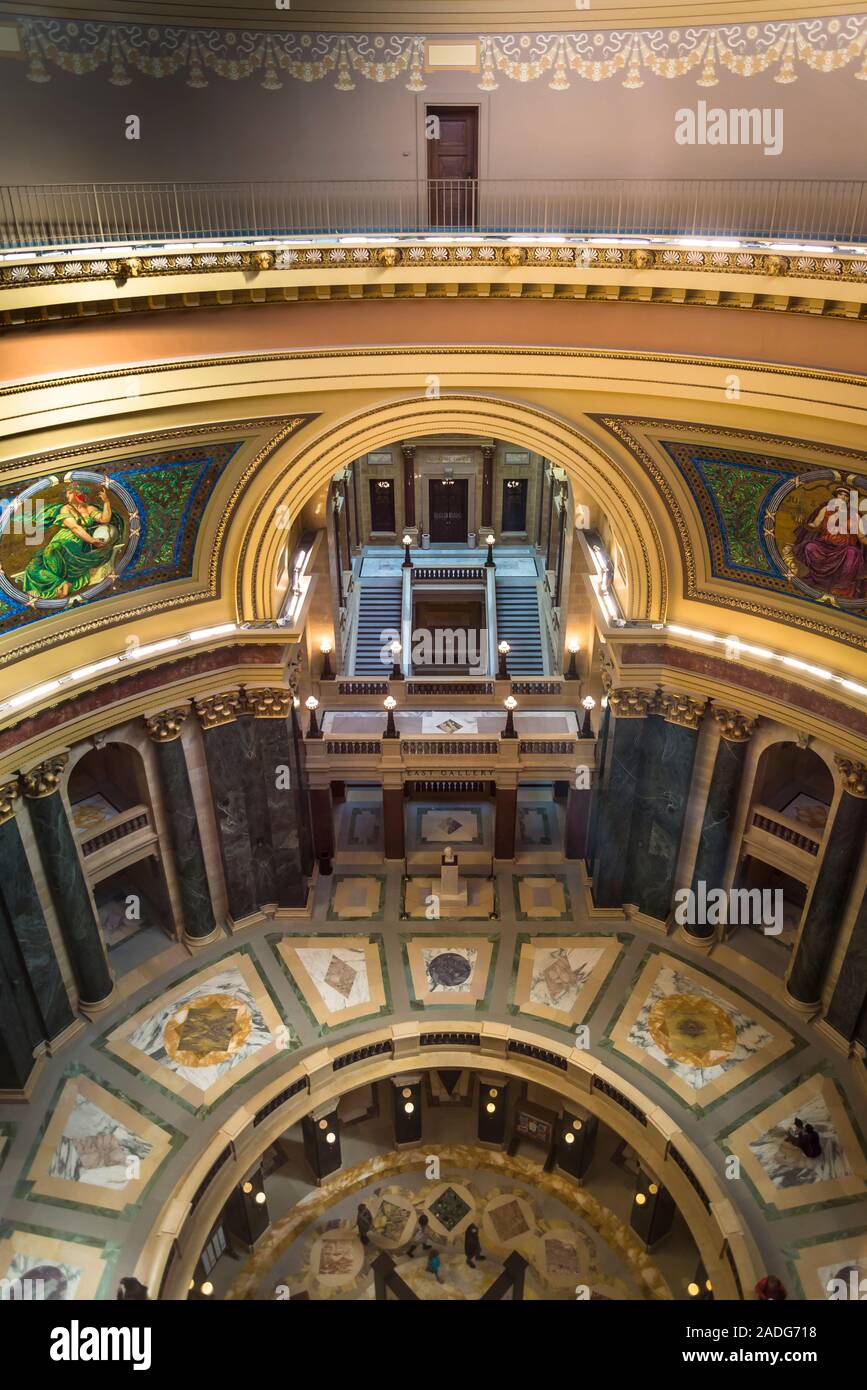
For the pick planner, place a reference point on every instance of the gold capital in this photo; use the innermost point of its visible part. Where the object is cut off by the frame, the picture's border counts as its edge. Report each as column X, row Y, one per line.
column 631, row 704
column 269, row 703
column 44, row 779
column 214, row 710
column 854, row 776
column 735, row 727
column 166, row 726
column 9, row 792
column 682, row 709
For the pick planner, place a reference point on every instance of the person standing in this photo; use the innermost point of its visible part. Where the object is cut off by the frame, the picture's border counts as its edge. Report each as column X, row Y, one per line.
column 472, row 1245
column 363, row 1222
column 421, row 1235
column 433, row 1266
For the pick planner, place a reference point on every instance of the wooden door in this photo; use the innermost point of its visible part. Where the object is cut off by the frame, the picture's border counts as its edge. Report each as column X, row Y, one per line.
column 448, row 509
column 453, row 166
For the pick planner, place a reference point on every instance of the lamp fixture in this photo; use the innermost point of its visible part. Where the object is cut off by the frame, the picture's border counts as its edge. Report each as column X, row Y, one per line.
column 207, row 1288
column 407, row 558
column 331, row 1137
column 569, row 1138
column 326, row 674
column 587, row 704
column 261, row 1199
column 396, row 672
column 409, row 1107
column 573, row 646
column 490, row 1107
column 390, row 704
column 640, row 1199
column 503, row 649
column 511, row 705
column 313, row 729
column 247, row 1187
column 489, row 562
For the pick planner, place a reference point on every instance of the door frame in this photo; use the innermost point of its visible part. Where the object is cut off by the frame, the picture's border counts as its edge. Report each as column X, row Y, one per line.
column 435, row 468
column 464, row 484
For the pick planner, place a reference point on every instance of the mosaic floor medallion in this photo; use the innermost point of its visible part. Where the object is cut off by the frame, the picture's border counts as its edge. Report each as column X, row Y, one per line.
column 692, row 1029
column 449, row 969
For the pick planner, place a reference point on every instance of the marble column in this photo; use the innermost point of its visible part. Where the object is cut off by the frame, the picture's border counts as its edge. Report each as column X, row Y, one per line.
column 670, row 744
column 31, row 960
column 561, row 546
column 505, row 816
column 850, row 993
column 393, row 822
column 617, row 795
column 299, row 784
column 322, row 818
column 833, row 884
column 270, row 709
column 164, row 730
column 224, row 755
column 16, row 1046
column 714, row 842
column 577, row 822
column 69, row 892
column 255, row 780
column 602, row 750
column 487, row 490
column 408, row 452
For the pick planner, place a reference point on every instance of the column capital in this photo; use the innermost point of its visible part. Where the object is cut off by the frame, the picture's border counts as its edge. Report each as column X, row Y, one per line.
column 269, row 703
column 44, row 779
column 166, row 726
column 853, row 776
column 682, row 709
column 9, row 793
column 214, row 710
column 408, row 449
column 632, row 704
column 734, row 726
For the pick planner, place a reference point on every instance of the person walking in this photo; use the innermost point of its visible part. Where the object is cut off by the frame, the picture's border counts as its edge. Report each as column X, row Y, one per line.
column 363, row 1222
column 472, row 1245
column 433, row 1266
column 421, row 1235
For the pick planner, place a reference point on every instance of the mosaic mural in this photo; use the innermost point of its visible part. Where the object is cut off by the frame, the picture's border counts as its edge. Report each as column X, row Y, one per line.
column 770, row 524
column 88, row 533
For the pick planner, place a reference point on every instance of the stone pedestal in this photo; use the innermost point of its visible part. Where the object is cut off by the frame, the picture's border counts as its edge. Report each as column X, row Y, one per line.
column 452, row 890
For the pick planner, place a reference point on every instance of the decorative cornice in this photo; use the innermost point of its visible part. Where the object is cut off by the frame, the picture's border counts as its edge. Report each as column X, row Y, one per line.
column 166, row 726
column 734, row 727
column 853, row 775
column 44, row 779
column 9, row 793
column 270, row 703
column 632, row 704
column 682, row 709
column 157, row 50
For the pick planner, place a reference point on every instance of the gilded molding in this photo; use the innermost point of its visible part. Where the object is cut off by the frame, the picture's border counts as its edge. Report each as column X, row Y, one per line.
column 853, row 775
column 632, row 704
column 44, row 779
column 734, row 726
column 682, row 709
column 167, row 725
column 219, row 709
column 9, row 793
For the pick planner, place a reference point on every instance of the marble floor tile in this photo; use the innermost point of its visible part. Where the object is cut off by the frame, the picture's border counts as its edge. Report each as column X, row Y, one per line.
column 60, row 1267
column 356, row 897
column 448, row 825
column 422, row 900
column 815, row 1263
column 702, row 1040
column 207, row 1033
column 338, row 979
column 541, row 898
column 784, row 1178
column 560, row 978
column 449, row 970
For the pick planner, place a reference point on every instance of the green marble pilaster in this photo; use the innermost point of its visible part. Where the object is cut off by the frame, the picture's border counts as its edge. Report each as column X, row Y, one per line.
column 279, row 779
column 253, row 776
column 224, row 756
column 302, row 801
column 16, row 1050
column 850, row 993
column 180, row 807
column 660, row 810
column 716, row 829
column 27, row 941
column 832, row 887
column 69, row 893
column 616, row 802
column 598, row 783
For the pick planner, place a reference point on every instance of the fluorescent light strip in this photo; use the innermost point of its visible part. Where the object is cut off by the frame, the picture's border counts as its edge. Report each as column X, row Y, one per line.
column 82, row 673
column 736, row 648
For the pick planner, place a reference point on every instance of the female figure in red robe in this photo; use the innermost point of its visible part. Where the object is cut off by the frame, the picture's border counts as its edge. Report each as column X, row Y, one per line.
column 834, row 555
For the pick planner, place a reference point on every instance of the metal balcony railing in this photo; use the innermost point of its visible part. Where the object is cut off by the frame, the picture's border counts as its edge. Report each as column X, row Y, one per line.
column 101, row 214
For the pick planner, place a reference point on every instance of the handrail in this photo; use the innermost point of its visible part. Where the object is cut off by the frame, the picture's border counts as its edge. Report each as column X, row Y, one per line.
column 100, row 214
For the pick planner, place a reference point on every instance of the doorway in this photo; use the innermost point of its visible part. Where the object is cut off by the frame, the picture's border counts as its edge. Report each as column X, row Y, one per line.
column 453, row 166
column 448, row 510
column 514, row 505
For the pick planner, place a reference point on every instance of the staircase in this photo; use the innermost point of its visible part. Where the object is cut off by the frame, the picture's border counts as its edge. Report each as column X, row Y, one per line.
column 378, row 612
column 518, row 624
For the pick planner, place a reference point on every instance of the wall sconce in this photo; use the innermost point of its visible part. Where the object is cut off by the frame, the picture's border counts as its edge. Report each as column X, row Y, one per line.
column 573, row 647
column 247, row 1187
column 261, row 1199
column 331, row 1137
column 326, row 674
column 313, row 729
column 503, row 672
column 511, row 705
column 390, row 728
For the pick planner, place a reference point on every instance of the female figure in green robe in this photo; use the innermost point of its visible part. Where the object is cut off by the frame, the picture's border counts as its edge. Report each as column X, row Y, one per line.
column 66, row 564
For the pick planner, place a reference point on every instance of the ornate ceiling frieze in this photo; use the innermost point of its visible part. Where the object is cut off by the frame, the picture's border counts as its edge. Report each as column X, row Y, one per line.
column 128, row 51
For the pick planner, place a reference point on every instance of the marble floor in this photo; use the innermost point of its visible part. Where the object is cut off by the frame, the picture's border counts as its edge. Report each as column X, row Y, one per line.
column 120, row 1114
